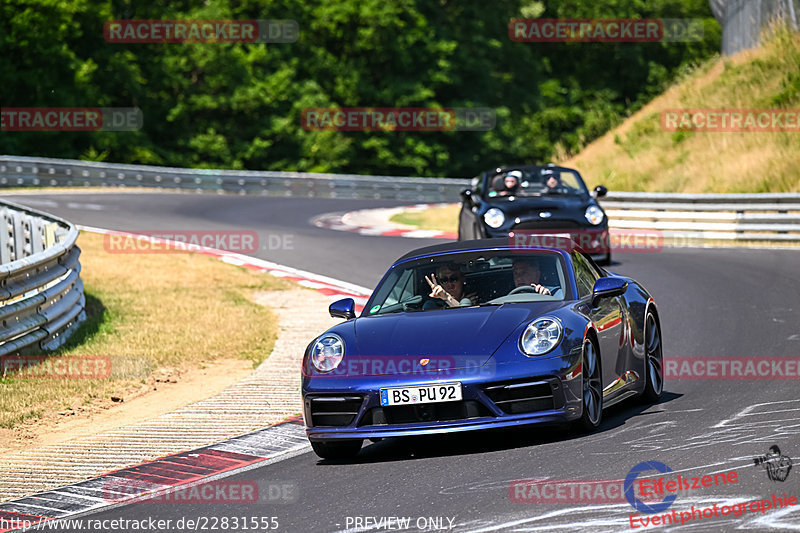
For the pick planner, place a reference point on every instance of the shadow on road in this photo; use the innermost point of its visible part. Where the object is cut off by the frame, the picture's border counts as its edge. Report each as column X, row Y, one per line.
column 476, row 442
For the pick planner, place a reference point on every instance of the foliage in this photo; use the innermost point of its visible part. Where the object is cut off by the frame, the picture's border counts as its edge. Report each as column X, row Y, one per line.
column 238, row 105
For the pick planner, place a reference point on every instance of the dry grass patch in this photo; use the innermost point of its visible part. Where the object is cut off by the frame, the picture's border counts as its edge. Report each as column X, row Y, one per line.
column 152, row 315
column 640, row 156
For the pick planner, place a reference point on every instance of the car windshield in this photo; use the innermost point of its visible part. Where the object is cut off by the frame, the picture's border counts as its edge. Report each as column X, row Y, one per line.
column 470, row 279
column 536, row 181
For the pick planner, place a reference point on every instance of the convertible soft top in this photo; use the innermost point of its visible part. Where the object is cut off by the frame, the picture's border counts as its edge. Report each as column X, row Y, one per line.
column 459, row 246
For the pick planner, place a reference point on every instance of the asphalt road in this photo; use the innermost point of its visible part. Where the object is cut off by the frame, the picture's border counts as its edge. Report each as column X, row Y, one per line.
column 712, row 302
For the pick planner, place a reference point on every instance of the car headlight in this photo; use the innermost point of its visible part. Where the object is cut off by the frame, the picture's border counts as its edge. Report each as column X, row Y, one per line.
column 594, row 215
column 541, row 336
column 494, row 218
column 327, row 352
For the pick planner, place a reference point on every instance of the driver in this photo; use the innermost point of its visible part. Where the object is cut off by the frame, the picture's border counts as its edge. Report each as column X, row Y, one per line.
column 527, row 273
column 552, row 180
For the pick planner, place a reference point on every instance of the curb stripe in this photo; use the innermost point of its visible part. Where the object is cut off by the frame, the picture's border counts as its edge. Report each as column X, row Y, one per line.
column 331, row 287
column 185, row 469
column 340, row 222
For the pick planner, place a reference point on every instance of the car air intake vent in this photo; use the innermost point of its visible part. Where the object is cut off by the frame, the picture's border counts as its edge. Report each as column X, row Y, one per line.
column 546, row 224
column 333, row 410
column 526, row 396
column 431, row 412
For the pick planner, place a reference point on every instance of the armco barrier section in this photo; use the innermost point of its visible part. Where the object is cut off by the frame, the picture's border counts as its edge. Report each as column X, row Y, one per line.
column 773, row 217
column 41, row 292
column 765, row 217
column 43, row 172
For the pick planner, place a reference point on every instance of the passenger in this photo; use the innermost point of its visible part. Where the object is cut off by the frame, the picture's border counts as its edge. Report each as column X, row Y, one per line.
column 447, row 288
column 527, row 273
column 511, row 183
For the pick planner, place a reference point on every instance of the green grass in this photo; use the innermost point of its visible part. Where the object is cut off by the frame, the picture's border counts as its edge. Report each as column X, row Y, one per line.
column 435, row 218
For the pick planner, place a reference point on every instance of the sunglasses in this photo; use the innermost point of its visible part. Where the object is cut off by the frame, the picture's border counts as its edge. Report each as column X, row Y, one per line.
column 449, row 280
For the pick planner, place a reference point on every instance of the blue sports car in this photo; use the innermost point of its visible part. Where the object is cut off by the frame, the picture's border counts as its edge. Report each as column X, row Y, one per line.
column 476, row 335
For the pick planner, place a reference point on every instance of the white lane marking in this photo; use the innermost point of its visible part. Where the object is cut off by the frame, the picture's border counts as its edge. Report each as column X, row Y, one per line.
column 69, row 205
column 36, row 202
column 747, row 411
column 314, row 284
column 592, row 523
column 88, row 207
column 372, row 231
column 754, row 425
column 422, row 234
column 773, row 521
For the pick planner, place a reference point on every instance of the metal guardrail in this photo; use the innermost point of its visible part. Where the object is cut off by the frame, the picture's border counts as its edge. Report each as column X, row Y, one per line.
column 744, row 217
column 41, row 292
column 751, row 217
column 18, row 171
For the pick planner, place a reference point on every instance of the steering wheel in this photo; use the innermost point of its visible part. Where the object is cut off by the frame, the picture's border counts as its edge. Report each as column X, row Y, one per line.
column 523, row 288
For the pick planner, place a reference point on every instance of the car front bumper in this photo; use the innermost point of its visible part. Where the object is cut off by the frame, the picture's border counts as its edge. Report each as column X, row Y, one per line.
column 490, row 397
column 594, row 239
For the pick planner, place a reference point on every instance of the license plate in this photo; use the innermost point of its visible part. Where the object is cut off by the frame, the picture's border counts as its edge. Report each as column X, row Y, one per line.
column 443, row 392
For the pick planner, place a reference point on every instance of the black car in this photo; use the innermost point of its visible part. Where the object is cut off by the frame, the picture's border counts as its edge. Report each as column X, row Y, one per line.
column 535, row 199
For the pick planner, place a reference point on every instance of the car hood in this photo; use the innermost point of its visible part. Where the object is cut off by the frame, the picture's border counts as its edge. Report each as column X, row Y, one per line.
column 553, row 203
column 450, row 338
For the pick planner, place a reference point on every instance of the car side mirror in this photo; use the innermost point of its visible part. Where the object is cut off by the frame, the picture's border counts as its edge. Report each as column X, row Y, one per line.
column 466, row 195
column 608, row 287
column 345, row 308
column 599, row 191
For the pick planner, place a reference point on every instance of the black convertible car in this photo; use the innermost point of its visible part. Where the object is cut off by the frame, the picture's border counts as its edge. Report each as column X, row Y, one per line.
column 535, row 199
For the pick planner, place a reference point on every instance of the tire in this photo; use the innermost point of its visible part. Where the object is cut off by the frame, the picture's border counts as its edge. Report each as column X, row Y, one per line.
column 653, row 361
column 592, row 401
column 337, row 449
column 606, row 261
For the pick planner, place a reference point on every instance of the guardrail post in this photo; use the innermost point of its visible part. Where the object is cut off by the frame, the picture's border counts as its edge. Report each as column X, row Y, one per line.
column 6, row 236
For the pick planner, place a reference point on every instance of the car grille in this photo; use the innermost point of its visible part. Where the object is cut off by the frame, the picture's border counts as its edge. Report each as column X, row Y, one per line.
column 333, row 410
column 431, row 412
column 526, row 396
column 546, row 224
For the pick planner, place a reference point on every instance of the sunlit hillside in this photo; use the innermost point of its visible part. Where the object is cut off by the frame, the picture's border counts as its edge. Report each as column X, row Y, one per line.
column 640, row 155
